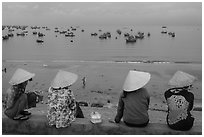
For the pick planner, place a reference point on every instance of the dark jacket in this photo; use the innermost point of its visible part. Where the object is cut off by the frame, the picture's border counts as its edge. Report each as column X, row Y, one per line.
column 133, row 107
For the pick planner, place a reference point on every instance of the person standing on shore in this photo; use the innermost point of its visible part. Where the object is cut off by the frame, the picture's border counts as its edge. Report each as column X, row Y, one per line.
column 62, row 106
column 180, row 101
column 134, row 101
column 16, row 100
column 84, row 82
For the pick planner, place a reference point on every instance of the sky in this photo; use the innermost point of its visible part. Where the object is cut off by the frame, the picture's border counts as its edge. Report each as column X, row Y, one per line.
column 101, row 13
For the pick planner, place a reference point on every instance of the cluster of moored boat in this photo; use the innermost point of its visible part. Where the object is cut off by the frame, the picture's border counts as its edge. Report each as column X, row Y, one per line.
column 39, row 34
column 133, row 38
column 24, row 32
column 67, row 33
column 164, row 31
column 129, row 37
column 105, row 35
column 5, row 37
column 13, row 28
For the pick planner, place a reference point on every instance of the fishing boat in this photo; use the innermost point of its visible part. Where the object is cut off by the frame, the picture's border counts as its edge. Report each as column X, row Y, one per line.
column 131, row 39
column 126, row 34
column 164, row 32
column 119, row 32
column 148, row 34
column 20, row 34
column 5, row 37
column 10, row 35
column 94, row 34
column 34, row 33
column 39, row 41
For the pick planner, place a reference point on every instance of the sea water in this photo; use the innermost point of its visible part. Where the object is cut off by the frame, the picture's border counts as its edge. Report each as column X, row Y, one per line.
column 186, row 46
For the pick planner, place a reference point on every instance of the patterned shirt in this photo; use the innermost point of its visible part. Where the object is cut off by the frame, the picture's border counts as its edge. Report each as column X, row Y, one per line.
column 61, row 107
column 12, row 94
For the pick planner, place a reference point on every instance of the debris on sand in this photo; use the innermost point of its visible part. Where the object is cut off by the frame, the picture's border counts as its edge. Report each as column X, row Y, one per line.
column 97, row 105
column 100, row 92
column 83, row 103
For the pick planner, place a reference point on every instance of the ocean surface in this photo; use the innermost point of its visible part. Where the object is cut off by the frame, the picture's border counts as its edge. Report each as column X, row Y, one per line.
column 185, row 47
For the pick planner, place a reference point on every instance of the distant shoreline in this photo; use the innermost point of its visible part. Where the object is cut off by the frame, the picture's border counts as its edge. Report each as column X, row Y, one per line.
column 101, row 61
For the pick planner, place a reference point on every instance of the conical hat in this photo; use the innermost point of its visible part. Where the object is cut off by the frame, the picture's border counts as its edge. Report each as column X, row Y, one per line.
column 181, row 79
column 136, row 80
column 64, row 79
column 20, row 76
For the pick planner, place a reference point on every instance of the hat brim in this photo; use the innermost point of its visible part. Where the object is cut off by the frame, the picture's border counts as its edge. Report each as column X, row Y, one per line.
column 64, row 79
column 23, row 79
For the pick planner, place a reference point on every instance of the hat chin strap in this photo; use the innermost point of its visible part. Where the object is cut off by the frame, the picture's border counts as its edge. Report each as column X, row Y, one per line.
column 185, row 87
column 58, row 88
column 178, row 89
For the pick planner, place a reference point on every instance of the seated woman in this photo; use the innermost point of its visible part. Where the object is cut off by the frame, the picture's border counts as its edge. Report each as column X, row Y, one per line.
column 134, row 101
column 62, row 107
column 180, row 101
column 16, row 100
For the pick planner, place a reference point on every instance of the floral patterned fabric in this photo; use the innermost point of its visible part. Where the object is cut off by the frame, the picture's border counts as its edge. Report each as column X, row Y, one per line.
column 61, row 107
column 9, row 98
column 12, row 94
column 177, row 108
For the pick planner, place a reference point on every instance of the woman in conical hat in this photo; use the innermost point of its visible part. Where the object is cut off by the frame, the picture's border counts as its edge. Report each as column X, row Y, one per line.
column 62, row 107
column 16, row 100
column 180, row 101
column 134, row 101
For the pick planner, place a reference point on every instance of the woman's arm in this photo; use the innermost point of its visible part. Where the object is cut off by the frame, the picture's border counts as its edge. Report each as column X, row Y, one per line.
column 168, row 94
column 191, row 101
column 72, row 102
column 119, row 110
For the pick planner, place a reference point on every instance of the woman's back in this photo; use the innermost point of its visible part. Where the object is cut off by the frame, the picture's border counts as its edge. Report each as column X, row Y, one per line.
column 136, row 106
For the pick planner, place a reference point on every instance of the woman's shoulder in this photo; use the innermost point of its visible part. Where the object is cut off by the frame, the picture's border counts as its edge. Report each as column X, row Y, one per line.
column 188, row 94
column 142, row 91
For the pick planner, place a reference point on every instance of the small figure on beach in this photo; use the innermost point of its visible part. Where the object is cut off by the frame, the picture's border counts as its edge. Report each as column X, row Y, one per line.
column 16, row 100
column 84, row 82
column 134, row 101
column 62, row 106
column 180, row 101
